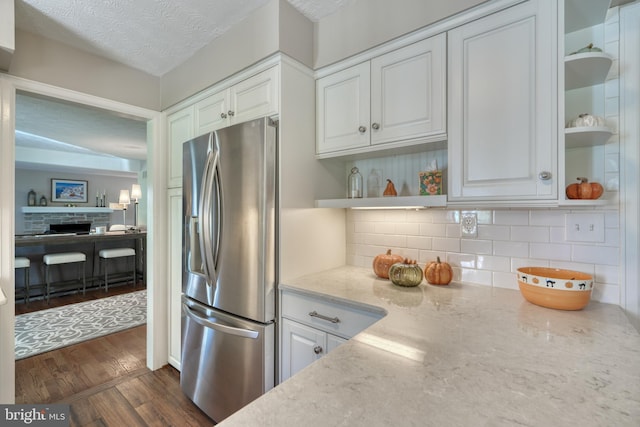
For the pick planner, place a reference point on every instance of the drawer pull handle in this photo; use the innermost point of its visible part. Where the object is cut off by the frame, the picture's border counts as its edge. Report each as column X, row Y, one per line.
column 317, row 349
column 323, row 317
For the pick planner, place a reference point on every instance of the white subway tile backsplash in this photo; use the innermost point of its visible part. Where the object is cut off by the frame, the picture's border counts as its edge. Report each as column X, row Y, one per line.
column 494, row 232
column 547, row 218
column 511, row 217
column 480, row 277
column 408, row 228
column 550, row 251
column 494, row 263
column 506, row 241
column 419, row 242
column 462, row 260
column 596, row 254
column 505, row 280
column 513, row 249
column 446, row 244
column 476, row 246
column 384, row 227
column 434, row 230
column 530, row 234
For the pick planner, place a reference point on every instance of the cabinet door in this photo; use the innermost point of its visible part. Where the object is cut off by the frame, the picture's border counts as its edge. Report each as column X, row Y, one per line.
column 175, row 275
column 408, row 90
column 333, row 342
column 180, row 128
column 255, row 97
column 211, row 113
column 301, row 346
column 503, row 106
column 342, row 102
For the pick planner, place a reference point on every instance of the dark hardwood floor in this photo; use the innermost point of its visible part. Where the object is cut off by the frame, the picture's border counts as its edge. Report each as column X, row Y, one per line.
column 105, row 380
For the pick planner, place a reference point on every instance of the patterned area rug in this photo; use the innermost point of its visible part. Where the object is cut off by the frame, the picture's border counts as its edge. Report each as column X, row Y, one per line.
column 58, row 327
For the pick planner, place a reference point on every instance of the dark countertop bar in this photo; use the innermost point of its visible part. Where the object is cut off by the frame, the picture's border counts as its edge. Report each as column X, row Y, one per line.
column 59, row 239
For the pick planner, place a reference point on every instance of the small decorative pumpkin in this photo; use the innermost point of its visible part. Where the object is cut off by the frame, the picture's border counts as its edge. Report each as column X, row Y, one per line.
column 383, row 262
column 584, row 190
column 438, row 273
column 406, row 273
column 390, row 190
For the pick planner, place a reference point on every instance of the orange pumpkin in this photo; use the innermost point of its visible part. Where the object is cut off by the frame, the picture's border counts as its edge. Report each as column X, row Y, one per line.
column 390, row 190
column 383, row 262
column 438, row 273
column 584, row 190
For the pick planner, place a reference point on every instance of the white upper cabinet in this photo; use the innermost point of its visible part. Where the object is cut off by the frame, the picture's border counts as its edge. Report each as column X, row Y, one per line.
column 395, row 99
column 503, row 106
column 343, row 101
column 408, row 99
column 254, row 97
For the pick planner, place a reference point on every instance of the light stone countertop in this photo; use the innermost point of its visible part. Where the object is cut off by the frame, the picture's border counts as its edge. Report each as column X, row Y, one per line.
column 460, row 355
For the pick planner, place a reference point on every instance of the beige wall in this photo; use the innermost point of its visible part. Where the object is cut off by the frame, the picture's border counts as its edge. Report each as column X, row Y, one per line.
column 256, row 37
column 44, row 60
column 7, row 35
column 363, row 24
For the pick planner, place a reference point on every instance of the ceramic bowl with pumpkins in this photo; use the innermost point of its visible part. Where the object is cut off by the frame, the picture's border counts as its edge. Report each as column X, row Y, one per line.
column 555, row 288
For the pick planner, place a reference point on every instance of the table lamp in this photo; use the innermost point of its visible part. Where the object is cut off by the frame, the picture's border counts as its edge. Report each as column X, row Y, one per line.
column 124, row 200
column 136, row 194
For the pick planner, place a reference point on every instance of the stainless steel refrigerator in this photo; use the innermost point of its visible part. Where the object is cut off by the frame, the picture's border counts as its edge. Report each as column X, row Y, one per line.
column 229, row 267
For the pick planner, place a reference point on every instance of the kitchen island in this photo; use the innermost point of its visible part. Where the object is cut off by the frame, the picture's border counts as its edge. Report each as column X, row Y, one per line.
column 460, row 355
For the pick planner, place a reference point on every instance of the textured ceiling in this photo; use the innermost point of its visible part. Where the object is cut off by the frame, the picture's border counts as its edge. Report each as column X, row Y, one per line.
column 154, row 36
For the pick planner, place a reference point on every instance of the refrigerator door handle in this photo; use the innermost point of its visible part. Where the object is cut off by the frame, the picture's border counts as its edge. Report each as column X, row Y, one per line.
column 204, row 321
column 204, row 208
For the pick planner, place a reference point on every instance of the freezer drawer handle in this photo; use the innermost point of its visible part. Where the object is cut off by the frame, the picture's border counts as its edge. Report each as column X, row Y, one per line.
column 323, row 317
column 202, row 320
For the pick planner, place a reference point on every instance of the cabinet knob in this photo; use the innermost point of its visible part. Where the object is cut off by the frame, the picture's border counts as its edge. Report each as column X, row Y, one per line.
column 223, row 115
column 544, row 175
column 317, row 349
column 231, row 113
column 375, row 126
column 362, row 129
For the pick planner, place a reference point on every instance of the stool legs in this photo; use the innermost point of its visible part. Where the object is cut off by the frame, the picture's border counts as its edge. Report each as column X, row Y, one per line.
column 81, row 275
column 104, row 264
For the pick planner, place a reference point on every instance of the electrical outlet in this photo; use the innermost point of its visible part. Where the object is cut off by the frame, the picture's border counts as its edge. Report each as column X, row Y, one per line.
column 584, row 227
column 469, row 224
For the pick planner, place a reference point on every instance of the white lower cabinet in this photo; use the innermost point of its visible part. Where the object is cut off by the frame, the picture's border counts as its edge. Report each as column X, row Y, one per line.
column 312, row 326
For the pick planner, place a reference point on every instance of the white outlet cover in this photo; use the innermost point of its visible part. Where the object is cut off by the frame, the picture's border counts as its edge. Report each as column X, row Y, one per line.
column 469, row 224
column 584, row 227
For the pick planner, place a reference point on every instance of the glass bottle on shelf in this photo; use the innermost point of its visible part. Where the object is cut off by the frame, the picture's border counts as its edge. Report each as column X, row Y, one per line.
column 374, row 183
column 355, row 184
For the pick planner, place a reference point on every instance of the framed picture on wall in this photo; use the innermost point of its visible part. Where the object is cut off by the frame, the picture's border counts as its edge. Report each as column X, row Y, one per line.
column 68, row 190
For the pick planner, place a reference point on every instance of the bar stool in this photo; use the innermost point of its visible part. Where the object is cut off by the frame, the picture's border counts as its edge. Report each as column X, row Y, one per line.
column 63, row 258
column 24, row 262
column 107, row 254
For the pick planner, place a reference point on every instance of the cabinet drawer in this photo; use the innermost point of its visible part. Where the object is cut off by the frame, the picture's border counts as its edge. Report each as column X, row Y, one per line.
column 340, row 319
